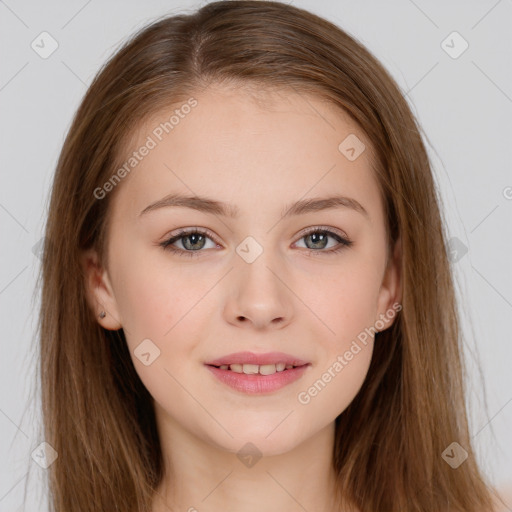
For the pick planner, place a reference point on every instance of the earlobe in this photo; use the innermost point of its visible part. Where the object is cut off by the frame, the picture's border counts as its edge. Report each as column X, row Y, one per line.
column 390, row 294
column 99, row 291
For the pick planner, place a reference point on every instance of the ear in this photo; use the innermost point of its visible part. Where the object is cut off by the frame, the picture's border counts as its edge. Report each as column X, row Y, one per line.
column 390, row 293
column 100, row 295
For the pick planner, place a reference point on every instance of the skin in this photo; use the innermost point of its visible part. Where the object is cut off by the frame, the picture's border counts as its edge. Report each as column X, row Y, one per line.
column 264, row 153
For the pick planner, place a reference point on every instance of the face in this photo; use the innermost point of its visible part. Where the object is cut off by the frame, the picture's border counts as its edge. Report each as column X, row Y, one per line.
column 312, row 283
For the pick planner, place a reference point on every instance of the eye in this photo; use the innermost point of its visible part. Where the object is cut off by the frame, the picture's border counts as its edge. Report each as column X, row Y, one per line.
column 191, row 239
column 318, row 237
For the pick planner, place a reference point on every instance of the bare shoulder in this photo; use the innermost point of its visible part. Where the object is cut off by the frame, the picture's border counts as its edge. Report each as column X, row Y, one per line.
column 503, row 502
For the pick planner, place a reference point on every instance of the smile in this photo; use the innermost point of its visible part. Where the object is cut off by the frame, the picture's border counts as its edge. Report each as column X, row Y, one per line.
column 253, row 369
column 255, row 379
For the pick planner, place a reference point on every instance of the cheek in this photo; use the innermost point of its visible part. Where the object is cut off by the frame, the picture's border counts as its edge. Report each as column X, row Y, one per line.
column 160, row 311
column 347, row 308
column 346, row 303
column 334, row 386
column 345, row 345
column 152, row 299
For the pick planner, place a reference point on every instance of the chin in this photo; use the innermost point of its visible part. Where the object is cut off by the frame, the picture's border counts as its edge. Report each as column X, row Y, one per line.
column 263, row 439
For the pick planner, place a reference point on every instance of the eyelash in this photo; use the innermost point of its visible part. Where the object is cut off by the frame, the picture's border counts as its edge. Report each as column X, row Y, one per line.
column 167, row 244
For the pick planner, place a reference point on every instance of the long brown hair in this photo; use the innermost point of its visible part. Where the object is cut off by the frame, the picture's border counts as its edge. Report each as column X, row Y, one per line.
column 98, row 415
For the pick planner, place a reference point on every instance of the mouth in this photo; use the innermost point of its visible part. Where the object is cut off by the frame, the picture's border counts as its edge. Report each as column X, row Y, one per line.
column 234, row 361
column 251, row 373
column 255, row 369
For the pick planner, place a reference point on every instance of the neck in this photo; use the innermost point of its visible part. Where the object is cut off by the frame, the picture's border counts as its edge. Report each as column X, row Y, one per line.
column 201, row 477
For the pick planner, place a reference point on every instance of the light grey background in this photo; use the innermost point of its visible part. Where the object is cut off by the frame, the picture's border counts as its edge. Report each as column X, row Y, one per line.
column 464, row 106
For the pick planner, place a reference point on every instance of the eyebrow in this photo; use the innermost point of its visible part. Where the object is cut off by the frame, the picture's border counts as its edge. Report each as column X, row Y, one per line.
column 206, row 205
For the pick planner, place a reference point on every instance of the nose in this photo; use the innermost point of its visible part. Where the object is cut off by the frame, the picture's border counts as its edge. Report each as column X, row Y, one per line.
column 258, row 296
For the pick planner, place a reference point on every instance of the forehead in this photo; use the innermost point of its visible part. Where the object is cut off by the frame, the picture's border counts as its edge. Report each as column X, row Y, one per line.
column 260, row 145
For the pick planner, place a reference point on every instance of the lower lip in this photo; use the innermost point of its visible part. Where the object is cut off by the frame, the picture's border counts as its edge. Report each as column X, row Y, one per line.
column 258, row 384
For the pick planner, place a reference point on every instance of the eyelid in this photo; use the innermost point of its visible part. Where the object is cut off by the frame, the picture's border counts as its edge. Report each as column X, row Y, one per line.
column 314, row 228
column 207, row 232
column 182, row 232
column 343, row 239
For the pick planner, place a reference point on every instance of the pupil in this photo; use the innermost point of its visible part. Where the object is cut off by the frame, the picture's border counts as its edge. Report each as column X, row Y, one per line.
column 318, row 235
column 194, row 237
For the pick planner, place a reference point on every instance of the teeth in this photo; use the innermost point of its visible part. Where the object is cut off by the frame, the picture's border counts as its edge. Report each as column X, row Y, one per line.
column 267, row 369
column 253, row 369
column 250, row 369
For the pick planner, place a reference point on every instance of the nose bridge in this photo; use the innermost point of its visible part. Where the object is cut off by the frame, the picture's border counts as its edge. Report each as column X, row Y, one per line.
column 260, row 297
column 258, row 263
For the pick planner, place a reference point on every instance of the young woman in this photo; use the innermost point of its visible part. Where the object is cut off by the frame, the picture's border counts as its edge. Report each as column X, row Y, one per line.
column 247, row 302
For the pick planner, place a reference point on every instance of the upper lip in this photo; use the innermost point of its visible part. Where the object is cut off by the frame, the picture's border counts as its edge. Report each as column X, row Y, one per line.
column 259, row 359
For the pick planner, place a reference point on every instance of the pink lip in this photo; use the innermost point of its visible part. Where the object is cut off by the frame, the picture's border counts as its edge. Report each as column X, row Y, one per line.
column 259, row 359
column 258, row 384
